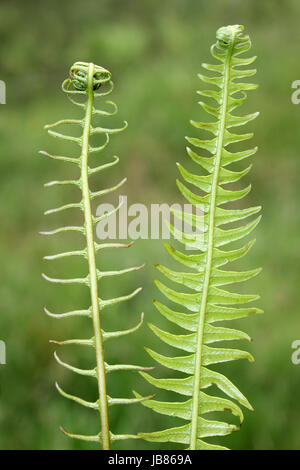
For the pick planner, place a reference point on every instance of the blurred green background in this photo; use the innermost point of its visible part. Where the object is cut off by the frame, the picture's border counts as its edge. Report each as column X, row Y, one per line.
column 154, row 50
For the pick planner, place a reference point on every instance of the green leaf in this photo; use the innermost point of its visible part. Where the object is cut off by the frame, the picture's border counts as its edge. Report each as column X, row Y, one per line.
column 183, row 409
column 204, row 302
column 205, row 428
column 85, row 79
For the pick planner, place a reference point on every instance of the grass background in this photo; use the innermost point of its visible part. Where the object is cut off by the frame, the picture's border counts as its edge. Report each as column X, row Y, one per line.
column 154, row 50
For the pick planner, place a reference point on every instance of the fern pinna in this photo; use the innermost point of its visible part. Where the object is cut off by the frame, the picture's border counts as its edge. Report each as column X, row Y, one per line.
column 86, row 79
column 210, row 303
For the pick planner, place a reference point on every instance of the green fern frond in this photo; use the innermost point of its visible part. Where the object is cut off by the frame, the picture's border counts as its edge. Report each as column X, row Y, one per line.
column 86, row 79
column 209, row 303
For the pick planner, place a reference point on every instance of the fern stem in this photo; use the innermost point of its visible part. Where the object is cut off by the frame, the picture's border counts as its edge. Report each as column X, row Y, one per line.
column 100, row 367
column 210, row 248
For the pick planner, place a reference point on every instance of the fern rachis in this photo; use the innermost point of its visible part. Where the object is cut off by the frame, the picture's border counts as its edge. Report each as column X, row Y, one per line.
column 210, row 303
column 85, row 79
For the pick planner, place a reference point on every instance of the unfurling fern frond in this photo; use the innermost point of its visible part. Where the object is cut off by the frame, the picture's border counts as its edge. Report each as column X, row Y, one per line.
column 85, row 79
column 210, row 303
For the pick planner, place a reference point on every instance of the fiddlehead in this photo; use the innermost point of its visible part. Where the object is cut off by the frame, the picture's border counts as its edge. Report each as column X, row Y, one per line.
column 85, row 79
column 209, row 303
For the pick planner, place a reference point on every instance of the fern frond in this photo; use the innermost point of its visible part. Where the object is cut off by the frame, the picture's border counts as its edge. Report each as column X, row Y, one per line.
column 207, row 302
column 86, row 79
